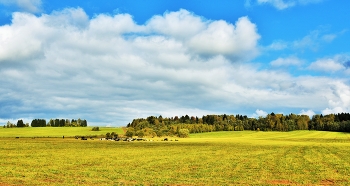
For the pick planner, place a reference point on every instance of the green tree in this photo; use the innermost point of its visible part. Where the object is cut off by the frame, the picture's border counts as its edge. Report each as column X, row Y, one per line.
column 95, row 129
column 184, row 133
column 140, row 134
column 20, row 123
column 129, row 134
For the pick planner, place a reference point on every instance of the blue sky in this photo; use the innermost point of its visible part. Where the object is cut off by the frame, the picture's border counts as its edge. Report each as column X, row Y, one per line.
column 112, row 61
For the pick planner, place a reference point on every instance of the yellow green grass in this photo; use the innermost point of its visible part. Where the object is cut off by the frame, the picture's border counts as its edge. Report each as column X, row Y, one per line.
column 56, row 131
column 220, row 158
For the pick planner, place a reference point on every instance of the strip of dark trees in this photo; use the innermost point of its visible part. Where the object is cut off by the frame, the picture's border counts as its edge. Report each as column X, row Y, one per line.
column 59, row 123
column 52, row 123
column 159, row 126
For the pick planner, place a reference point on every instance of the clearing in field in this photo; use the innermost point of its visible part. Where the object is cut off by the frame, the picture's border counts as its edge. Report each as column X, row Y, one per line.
column 218, row 158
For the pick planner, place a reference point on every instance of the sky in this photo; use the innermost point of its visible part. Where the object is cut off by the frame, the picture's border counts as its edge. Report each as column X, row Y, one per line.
column 111, row 61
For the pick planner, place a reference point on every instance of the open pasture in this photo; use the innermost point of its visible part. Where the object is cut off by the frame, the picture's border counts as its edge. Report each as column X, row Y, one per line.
column 218, row 158
column 56, row 131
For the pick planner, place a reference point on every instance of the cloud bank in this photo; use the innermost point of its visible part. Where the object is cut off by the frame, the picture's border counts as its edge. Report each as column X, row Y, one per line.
column 109, row 69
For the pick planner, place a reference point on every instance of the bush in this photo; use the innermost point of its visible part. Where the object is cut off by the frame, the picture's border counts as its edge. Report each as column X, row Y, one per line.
column 159, row 133
column 129, row 133
column 114, row 135
column 96, row 129
column 183, row 133
column 140, row 134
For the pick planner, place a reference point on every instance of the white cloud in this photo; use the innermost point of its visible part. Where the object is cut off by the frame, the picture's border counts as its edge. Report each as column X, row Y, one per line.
column 290, row 61
column 279, row 4
column 312, row 41
column 109, row 69
column 277, row 45
column 284, row 4
column 333, row 110
column 222, row 38
column 259, row 113
column 33, row 6
column 181, row 24
column 208, row 38
column 329, row 37
column 339, row 100
column 112, row 64
column 334, row 64
column 309, row 113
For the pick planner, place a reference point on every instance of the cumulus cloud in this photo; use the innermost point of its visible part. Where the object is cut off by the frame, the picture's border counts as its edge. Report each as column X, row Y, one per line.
column 206, row 37
column 109, row 62
column 259, row 113
column 309, row 113
column 339, row 101
column 109, row 69
column 334, row 64
column 32, row 6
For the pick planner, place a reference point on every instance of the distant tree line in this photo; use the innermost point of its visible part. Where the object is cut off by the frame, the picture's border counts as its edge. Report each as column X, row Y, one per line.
column 20, row 123
column 159, row 126
column 59, row 123
column 52, row 123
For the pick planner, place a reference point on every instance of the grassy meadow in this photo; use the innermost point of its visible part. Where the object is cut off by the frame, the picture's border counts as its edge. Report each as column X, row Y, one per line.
column 56, row 131
column 218, row 158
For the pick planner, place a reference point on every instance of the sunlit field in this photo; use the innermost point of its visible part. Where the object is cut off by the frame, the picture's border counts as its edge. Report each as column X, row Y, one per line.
column 56, row 131
column 218, row 158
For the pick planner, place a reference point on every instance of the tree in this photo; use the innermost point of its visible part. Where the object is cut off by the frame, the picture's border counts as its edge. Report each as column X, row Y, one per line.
column 183, row 133
column 9, row 124
column 67, row 123
column 108, row 135
column 62, row 122
column 20, row 123
column 57, row 122
column 114, row 135
column 129, row 133
column 83, row 123
column 95, row 129
column 140, row 134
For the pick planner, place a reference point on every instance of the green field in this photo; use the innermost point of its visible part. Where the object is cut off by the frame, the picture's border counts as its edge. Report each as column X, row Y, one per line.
column 218, row 158
column 56, row 131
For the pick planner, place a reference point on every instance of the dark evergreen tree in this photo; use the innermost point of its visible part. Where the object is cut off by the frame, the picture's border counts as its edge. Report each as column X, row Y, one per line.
column 20, row 123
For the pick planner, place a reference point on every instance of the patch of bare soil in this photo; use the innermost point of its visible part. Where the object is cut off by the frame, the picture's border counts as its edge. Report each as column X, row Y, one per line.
column 5, row 184
column 327, row 182
column 279, row 182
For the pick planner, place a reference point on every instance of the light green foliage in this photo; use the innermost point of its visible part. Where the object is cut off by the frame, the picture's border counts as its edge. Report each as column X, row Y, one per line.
column 216, row 158
column 140, row 134
column 184, row 133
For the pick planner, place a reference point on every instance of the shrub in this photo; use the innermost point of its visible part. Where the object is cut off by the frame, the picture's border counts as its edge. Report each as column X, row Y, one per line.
column 140, row 134
column 183, row 133
column 129, row 133
column 96, row 129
